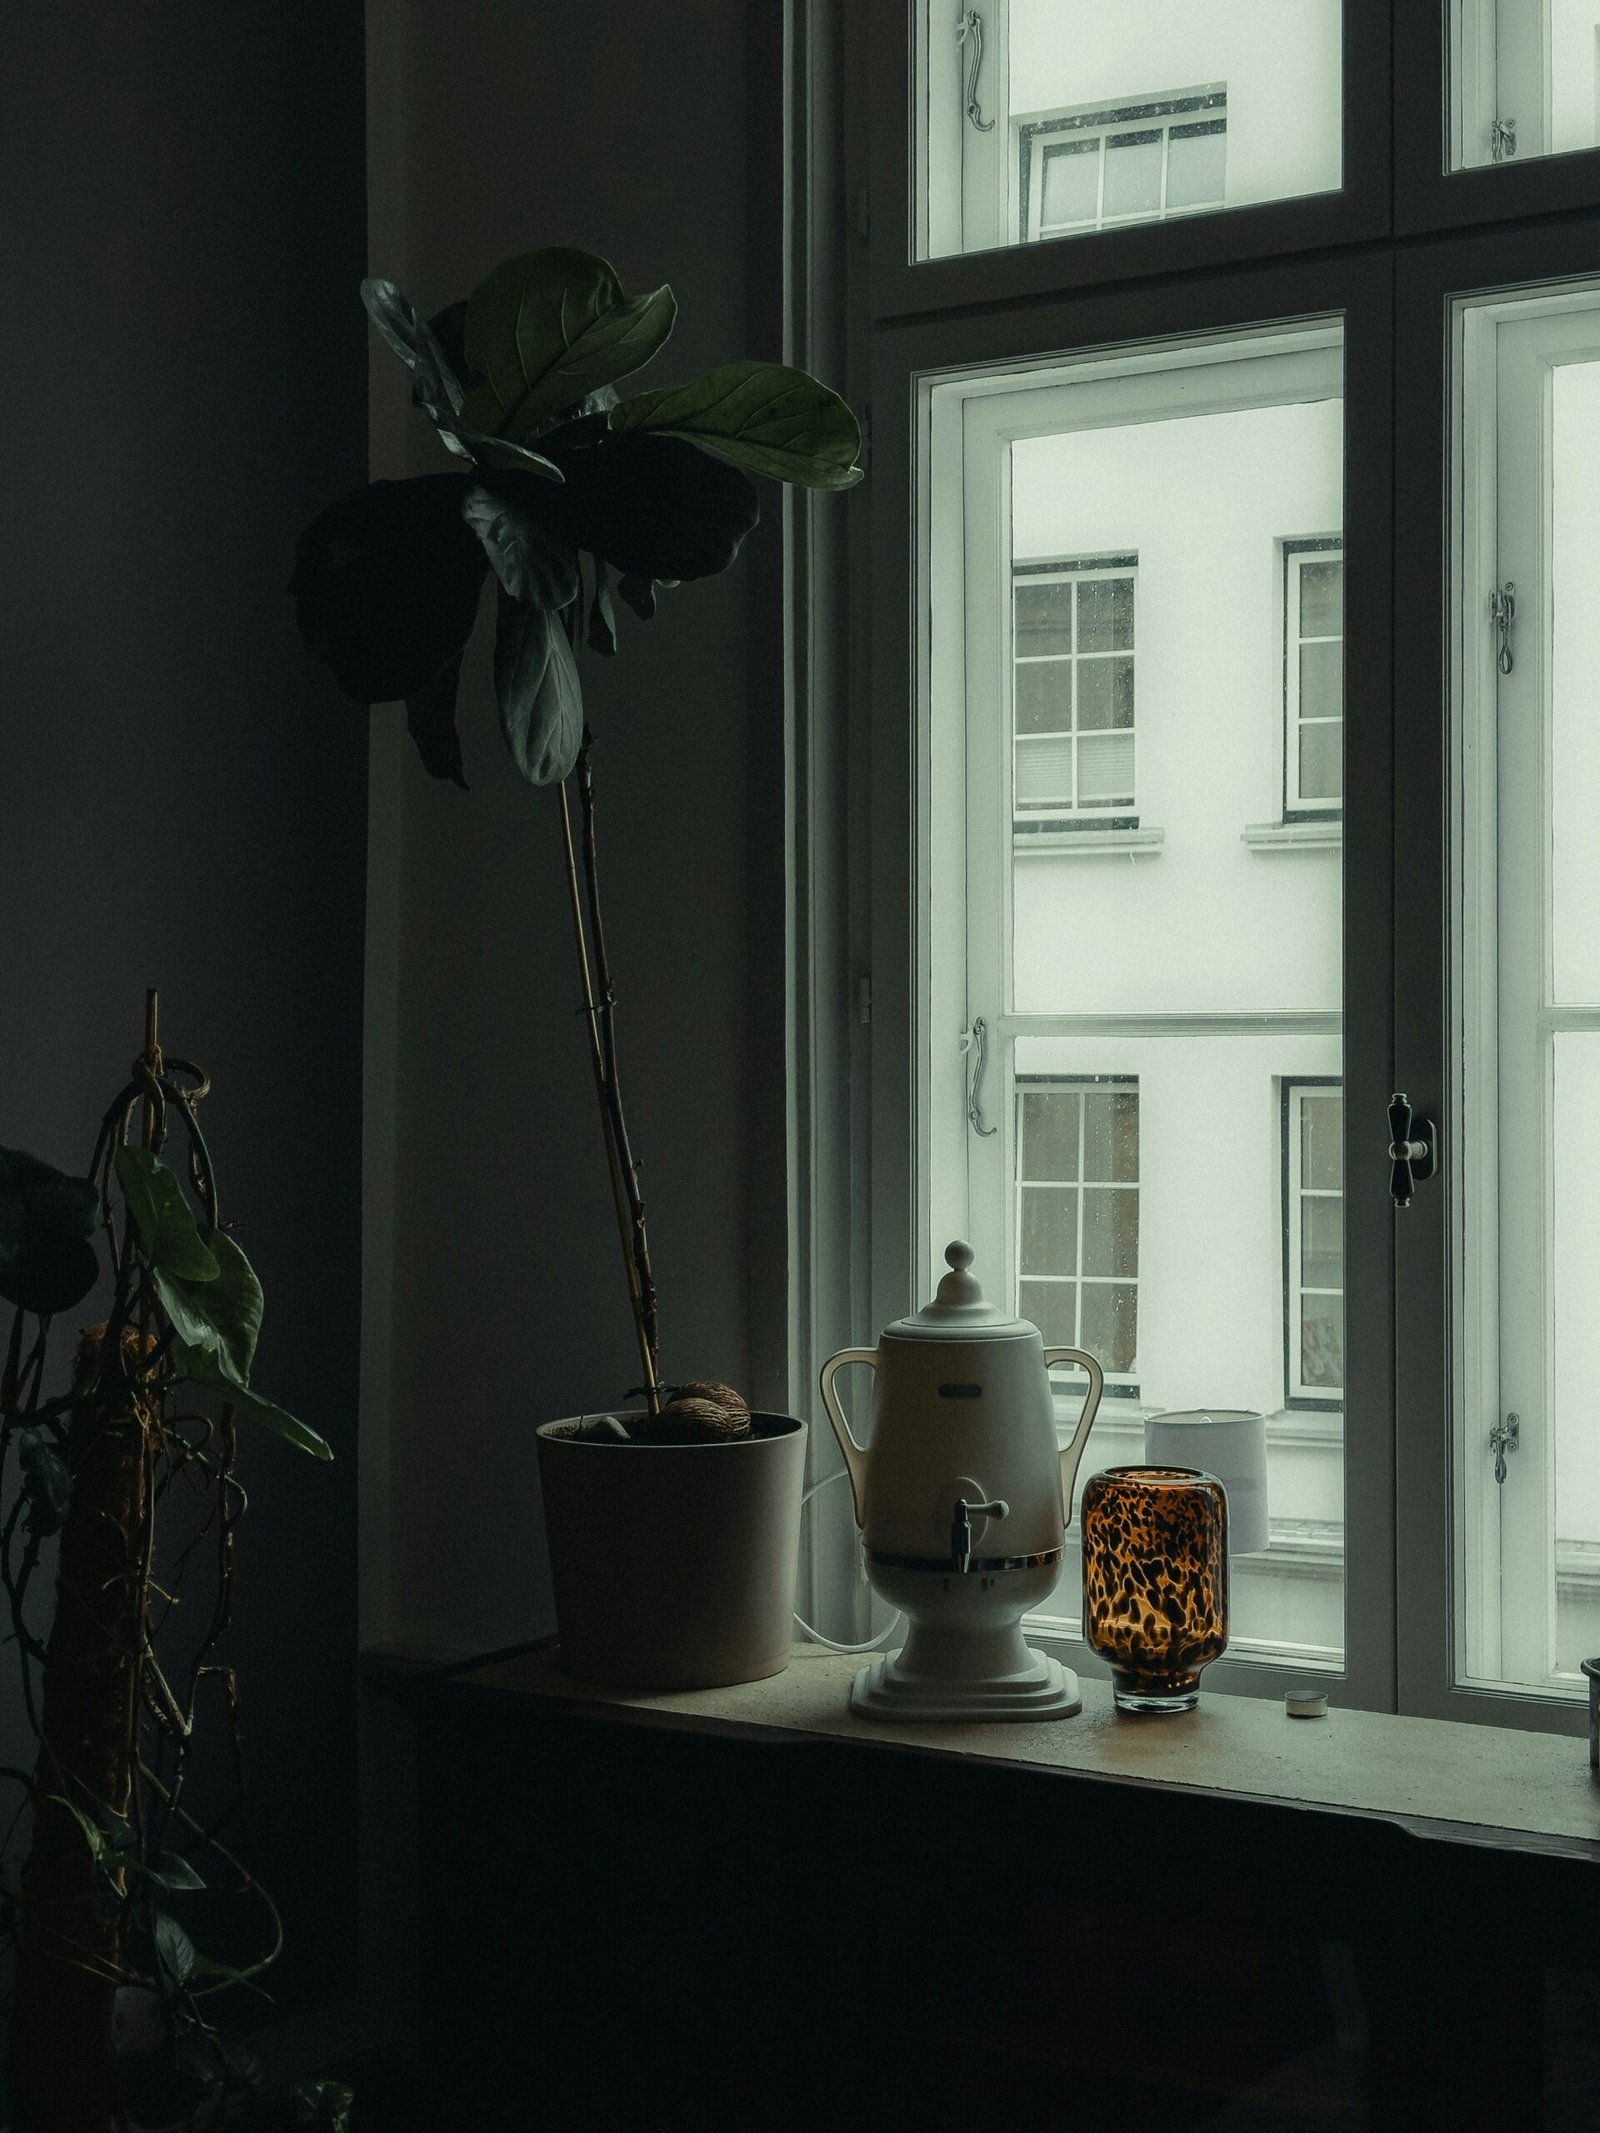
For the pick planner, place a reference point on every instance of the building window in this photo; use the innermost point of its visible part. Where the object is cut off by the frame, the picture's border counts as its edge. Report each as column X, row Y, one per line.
column 1313, row 1243
column 1313, row 677
column 1136, row 162
column 1077, row 1218
column 1073, row 691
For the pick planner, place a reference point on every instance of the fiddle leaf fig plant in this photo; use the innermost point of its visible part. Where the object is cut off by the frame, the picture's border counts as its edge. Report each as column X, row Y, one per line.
column 565, row 484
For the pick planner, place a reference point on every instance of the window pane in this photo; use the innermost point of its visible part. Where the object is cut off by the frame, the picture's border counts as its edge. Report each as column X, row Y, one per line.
column 1105, row 770
column 1575, row 1389
column 1195, row 161
column 1111, row 1232
column 1043, row 617
column 1321, row 1243
column 1071, row 182
column 1111, row 1135
column 1322, row 680
column 1322, row 761
column 1057, row 116
column 1322, row 599
column 1105, row 615
column 1049, row 1229
column 1322, row 1342
column 1110, row 1324
column 1049, row 1134
column 1133, row 174
column 1044, row 773
column 1575, row 681
column 1105, row 693
column 1524, row 79
column 1053, row 1308
column 1321, row 1142
column 1044, row 697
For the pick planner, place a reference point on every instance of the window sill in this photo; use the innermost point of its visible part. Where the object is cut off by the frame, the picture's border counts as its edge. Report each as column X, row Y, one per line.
column 1085, row 844
column 1437, row 1777
column 1294, row 836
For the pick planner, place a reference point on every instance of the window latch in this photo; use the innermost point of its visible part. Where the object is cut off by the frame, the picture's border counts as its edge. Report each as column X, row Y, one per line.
column 1503, row 612
column 976, row 1041
column 969, row 31
column 1413, row 1150
column 1503, row 1438
column 1502, row 140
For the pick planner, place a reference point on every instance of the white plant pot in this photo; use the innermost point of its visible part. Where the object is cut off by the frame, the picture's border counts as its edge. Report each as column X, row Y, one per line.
column 673, row 1564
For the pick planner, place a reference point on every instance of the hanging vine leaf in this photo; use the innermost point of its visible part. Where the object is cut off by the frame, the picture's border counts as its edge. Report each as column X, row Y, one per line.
column 548, row 328
column 536, row 681
column 386, row 585
column 168, row 1234
column 207, row 1367
column 766, row 417
column 47, row 1262
column 431, row 722
column 223, row 1314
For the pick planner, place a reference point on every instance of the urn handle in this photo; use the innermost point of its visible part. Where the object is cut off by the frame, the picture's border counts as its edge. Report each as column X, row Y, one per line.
column 855, row 1455
column 1080, row 1436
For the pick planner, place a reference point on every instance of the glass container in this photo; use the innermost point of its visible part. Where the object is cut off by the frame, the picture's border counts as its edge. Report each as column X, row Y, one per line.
column 1155, row 1581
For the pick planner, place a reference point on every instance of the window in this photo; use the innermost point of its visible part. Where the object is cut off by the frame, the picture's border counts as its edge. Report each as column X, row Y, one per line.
column 1313, row 677
column 1073, row 690
column 1046, row 119
column 1313, row 1243
column 1077, row 1205
column 1524, row 79
column 1083, row 171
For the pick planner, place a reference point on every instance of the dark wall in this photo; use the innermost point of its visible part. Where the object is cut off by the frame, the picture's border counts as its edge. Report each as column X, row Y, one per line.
column 182, row 795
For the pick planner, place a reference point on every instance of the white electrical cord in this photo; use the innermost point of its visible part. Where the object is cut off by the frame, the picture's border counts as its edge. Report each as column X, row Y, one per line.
column 881, row 1639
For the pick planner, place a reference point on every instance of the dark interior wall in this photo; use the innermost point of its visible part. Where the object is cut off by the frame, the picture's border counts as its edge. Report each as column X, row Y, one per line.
column 182, row 794
column 632, row 130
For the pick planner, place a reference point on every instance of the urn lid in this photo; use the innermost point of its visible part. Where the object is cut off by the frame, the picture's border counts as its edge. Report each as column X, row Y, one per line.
column 960, row 1310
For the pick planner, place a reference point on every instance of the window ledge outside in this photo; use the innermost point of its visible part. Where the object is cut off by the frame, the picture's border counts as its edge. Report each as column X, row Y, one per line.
column 1085, row 844
column 1477, row 1784
column 1294, row 836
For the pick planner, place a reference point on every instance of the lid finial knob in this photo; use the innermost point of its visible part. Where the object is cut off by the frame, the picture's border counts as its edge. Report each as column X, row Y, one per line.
column 958, row 1253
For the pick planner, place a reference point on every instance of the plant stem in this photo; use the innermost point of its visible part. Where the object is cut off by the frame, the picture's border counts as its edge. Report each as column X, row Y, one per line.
column 610, row 1110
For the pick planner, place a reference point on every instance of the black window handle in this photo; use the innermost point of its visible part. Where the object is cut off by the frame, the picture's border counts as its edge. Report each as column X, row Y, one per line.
column 1413, row 1150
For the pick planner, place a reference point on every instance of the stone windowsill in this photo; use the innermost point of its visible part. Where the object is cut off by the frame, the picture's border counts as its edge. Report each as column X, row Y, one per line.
column 1085, row 843
column 1323, row 836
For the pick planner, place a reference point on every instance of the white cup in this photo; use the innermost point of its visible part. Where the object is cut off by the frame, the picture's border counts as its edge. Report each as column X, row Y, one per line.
column 1227, row 1442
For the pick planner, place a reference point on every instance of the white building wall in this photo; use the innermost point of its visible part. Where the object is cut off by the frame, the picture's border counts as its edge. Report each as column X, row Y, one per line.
column 1278, row 59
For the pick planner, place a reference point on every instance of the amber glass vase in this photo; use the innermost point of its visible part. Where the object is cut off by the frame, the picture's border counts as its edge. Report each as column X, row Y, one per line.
column 1155, row 1581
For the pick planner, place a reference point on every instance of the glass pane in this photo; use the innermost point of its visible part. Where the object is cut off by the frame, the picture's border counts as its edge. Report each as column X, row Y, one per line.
column 1105, row 615
column 1322, row 599
column 1105, row 770
column 1044, row 696
column 1110, row 1324
column 1322, row 679
column 1111, row 1232
column 1322, row 761
column 1071, row 182
column 1179, row 980
column 1195, row 162
column 1056, row 117
column 1043, row 617
column 1049, row 1229
column 1321, row 1242
column 1575, row 1389
column 1049, row 1134
column 1053, row 1308
column 1105, row 693
column 1044, row 773
column 1322, row 1342
column 1321, row 1142
column 1133, row 174
column 1524, row 79
column 1575, row 681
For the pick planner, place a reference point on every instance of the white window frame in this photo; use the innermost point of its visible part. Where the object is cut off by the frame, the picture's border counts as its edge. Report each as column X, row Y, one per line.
column 1296, row 553
column 1506, row 1563
column 1032, row 817
column 1296, row 1091
column 1485, row 87
column 1184, row 110
column 1119, row 1384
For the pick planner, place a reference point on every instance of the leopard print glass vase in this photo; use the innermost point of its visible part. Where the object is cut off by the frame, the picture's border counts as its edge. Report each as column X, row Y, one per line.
column 1155, row 1581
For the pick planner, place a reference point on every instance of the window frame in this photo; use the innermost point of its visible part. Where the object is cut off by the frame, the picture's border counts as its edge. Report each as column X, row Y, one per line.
column 1291, row 1110
column 1178, row 111
column 887, row 192
column 1119, row 1385
column 914, row 1082
column 1072, row 818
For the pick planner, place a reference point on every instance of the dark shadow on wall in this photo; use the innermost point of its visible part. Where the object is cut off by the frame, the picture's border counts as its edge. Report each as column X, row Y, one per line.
column 182, row 794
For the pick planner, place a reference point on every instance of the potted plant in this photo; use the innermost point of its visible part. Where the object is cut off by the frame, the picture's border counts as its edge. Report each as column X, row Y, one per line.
column 128, row 1468
column 672, row 1527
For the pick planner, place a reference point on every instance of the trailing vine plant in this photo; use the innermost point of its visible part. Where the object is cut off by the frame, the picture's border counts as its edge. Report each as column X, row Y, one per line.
column 118, row 1687
column 561, row 484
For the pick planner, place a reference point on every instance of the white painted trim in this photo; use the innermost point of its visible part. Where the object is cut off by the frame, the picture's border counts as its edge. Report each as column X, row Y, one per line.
column 1085, row 843
column 1325, row 836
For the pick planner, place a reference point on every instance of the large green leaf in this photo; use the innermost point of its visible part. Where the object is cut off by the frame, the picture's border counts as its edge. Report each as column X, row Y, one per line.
column 206, row 1366
column 536, row 681
column 224, row 1314
column 654, row 507
column 174, row 1949
column 765, row 417
column 531, row 554
column 168, row 1234
column 431, row 722
column 435, row 386
column 548, row 328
